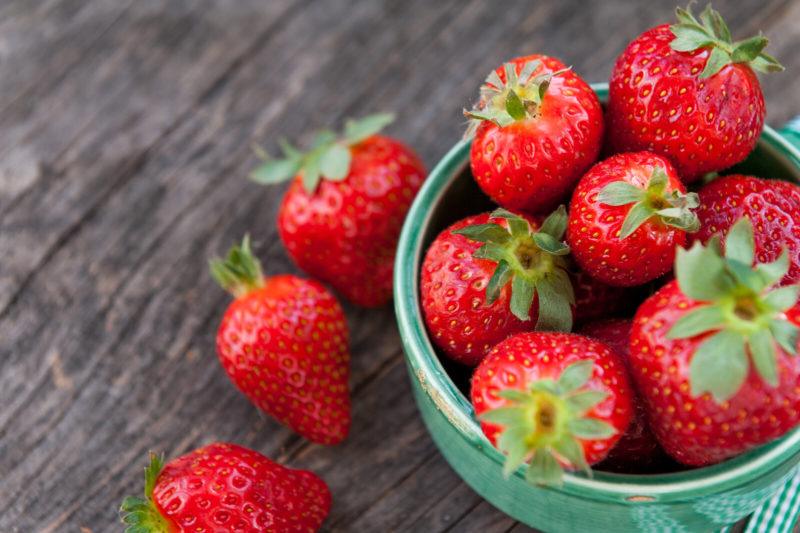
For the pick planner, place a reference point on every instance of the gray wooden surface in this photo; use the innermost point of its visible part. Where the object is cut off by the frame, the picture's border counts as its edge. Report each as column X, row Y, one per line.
column 125, row 128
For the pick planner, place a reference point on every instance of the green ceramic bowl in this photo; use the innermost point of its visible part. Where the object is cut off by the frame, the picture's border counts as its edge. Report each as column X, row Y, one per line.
column 703, row 499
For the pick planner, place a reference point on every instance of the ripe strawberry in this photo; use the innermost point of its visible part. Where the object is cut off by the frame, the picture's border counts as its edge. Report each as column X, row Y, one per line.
column 714, row 352
column 688, row 92
column 594, row 299
column 538, row 126
column 627, row 216
column 225, row 487
column 489, row 276
column 637, row 450
column 772, row 206
column 284, row 343
column 554, row 399
column 342, row 215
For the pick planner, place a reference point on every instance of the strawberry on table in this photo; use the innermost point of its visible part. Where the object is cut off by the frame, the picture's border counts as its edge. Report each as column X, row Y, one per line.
column 554, row 400
column 628, row 214
column 637, row 450
column 284, row 343
column 489, row 276
column 688, row 91
column 772, row 206
column 225, row 487
column 342, row 215
column 537, row 127
column 714, row 352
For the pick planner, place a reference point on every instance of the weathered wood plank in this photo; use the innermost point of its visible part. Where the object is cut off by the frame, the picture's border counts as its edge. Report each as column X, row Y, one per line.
column 139, row 148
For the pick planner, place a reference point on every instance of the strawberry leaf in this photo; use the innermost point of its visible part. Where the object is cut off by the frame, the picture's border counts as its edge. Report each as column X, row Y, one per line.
column 514, row 106
column 773, row 272
column 522, row 292
column 544, row 470
column 570, row 449
column 549, row 244
column 356, row 131
column 555, row 311
column 701, row 273
column 783, row 298
column 491, row 251
column 697, row 321
column 785, row 334
column 334, row 165
column 489, row 232
column 717, row 60
column 719, row 366
column 620, row 193
column 591, row 428
column 583, row 401
column 637, row 215
column 502, row 274
column 575, row 376
column 762, row 350
column 740, row 244
column 555, row 224
column 749, row 49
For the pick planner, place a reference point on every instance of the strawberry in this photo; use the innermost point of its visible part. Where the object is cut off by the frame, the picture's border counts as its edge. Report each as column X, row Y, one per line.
column 627, row 216
column 225, row 487
column 688, row 92
column 489, row 276
column 772, row 206
column 558, row 400
column 594, row 299
column 342, row 215
column 714, row 352
column 537, row 127
column 284, row 343
column 637, row 450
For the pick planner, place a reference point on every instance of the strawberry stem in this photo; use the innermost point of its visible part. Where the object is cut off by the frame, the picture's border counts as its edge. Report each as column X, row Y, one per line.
column 712, row 32
column 240, row 272
column 140, row 514
column 742, row 308
column 533, row 262
column 544, row 424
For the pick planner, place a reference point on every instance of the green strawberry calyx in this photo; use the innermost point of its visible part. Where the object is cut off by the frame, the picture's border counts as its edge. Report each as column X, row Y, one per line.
column 518, row 98
column 240, row 271
column 533, row 262
column 140, row 514
column 711, row 31
column 329, row 156
column 742, row 313
column 545, row 424
column 672, row 208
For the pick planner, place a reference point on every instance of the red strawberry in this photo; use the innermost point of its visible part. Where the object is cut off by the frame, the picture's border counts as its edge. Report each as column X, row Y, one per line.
column 688, row 92
column 284, row 343
column 554, row 399
column 538, row 127
column 342, row 215
column 627, row 216
column 638, row 450
column 714, row 352
column 489, row 276
column 772, row 206
column 594, row 299
column 225, row 487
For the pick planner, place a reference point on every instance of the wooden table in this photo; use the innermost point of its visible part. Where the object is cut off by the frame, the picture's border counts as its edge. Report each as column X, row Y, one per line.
column 125, row 133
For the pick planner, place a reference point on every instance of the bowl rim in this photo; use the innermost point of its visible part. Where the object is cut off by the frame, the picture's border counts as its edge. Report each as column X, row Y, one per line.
column 436, row 383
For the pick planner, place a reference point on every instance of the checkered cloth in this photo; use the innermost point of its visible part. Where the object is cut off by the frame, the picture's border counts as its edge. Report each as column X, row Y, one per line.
column 778, row 514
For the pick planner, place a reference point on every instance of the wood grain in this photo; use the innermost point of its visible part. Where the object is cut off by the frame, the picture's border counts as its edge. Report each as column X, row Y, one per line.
column 125, row 129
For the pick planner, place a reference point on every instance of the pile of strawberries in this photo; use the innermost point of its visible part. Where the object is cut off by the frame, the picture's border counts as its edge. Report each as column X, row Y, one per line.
column 705, row 370
column 707, row 367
